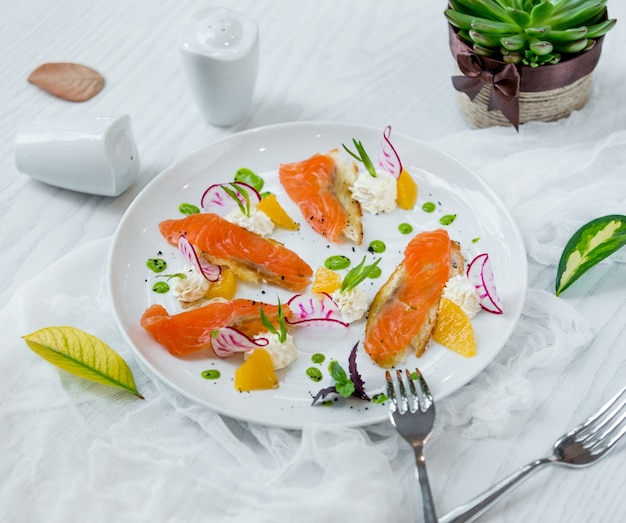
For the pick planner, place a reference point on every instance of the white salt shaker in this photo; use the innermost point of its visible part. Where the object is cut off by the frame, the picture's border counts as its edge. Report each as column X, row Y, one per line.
column 220, row 49
column 91, row 153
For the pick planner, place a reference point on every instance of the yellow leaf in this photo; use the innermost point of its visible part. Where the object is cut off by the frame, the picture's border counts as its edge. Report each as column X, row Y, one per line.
column 83, row 355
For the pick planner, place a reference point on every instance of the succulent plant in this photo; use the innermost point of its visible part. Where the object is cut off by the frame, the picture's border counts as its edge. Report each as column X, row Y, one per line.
column 531, row 32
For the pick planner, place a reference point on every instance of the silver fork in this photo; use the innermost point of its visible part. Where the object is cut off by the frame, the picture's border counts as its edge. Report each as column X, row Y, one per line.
column 583, row 445
column 413, row 415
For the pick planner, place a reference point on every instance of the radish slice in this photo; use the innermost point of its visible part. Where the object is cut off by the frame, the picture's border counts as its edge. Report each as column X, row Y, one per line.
column 480, row 274
column 228, row 341
column 215, row 198
column 318, row 308
column 210, row 271
column 388, row 158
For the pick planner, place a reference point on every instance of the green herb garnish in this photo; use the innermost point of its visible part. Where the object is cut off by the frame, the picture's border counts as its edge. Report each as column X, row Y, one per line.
column 357, row 274
column 248, row 176
column 188, row 209
column 245, row 209
column 281, row 334
column 361, row 157
column 343, row 384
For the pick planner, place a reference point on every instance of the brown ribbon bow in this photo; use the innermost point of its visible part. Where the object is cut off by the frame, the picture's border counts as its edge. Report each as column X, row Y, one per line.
column 504, row 84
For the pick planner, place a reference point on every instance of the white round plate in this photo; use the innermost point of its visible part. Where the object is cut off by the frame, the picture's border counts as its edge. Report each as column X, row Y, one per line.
column 482, row 224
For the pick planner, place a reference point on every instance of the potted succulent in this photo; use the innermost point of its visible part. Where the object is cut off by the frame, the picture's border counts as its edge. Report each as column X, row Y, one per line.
column 524, row 60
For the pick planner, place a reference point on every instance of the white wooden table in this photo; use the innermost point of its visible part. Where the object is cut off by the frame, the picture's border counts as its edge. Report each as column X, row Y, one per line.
column 360, row 62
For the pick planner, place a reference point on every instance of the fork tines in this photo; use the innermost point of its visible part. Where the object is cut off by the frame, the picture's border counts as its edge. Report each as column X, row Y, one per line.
column 605, row 428
column 415, row 399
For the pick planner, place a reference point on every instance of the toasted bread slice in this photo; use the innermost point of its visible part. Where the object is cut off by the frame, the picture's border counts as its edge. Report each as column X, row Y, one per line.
column 420, row 333
column 320, row 187
column 245, row 272
column 421, row 339
column 345, row 175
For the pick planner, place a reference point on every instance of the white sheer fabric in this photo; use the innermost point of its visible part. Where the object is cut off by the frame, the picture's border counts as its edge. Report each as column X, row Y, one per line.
column 172, row 457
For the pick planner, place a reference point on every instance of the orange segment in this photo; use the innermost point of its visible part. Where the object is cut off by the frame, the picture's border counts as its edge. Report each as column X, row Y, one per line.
column 407, row 191
column 454, row 329
column 326, row 280
column 256, row 373
column 225, row 287
column 270, row 206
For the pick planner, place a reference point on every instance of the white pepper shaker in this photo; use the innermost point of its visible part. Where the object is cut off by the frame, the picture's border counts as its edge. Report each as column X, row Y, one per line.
column 220, row 49
column 91, row 153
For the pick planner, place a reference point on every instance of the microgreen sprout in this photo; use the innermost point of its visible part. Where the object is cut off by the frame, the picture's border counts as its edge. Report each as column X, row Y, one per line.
column 357, row 274
column 281, row 334
column 245, row 209
column 180, row 275
column 362, row 157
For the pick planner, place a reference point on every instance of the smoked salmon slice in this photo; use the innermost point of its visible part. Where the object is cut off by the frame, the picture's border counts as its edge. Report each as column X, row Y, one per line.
column 250, row 256
column 190, row 331
column 320, row 186
column 404, row 310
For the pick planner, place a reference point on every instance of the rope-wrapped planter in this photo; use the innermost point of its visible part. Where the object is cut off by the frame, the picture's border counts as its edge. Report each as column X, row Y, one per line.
column 492, row 92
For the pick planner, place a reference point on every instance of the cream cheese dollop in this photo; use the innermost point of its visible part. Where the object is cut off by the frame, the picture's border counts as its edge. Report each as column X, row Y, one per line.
column 258, row 222
column 375, row 194
column 191, row 288
column 461, row 291
column 282, row 353
column 352, row 303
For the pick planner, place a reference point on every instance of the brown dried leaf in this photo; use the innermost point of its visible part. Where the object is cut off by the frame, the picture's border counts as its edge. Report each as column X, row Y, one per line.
column 73, row 82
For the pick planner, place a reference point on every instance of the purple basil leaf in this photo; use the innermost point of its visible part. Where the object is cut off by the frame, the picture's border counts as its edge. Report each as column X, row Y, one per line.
column 359, row 384
column 322, row 394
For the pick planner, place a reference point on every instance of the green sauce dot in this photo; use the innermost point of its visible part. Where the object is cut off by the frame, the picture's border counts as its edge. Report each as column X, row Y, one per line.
column 336, row 263
column 248, row 176
column 160, row 287
column 318, row 358
column 475, row 240
column 429, row 207
column 314, row 374
column 405, row 228
column 156, row 264
column 211, row 374
column 188, row 208
column 375, row 273
column 379, row 398
column 377, row 246
column 447, row 219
